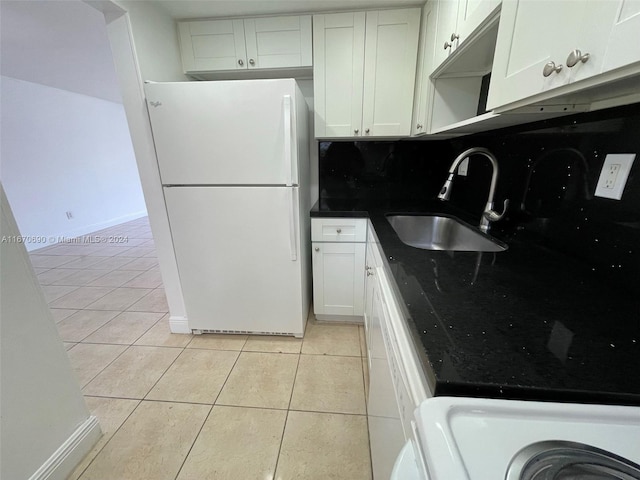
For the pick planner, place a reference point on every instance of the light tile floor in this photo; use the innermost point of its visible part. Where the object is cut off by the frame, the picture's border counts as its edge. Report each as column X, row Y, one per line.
column 199, row 407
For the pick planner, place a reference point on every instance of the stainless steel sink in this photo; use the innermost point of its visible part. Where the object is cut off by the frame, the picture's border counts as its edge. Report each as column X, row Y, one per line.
column 435, row 232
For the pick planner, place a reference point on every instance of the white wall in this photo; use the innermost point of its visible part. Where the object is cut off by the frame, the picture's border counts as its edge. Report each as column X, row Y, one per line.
column 156, row 41
column 62, row 44
column 41, row 406
column 62, row 151
column 144, row 43
column 306, row 86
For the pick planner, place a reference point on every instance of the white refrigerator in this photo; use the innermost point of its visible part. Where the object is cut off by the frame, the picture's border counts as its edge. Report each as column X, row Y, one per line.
column 233, row 158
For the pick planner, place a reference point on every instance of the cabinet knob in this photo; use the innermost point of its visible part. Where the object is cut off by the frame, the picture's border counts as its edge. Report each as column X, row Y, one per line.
column 317, row 249
column 241, row 62
column 369, row 273
column 367, row 131
column 576, row 56
column 252, row 61
column 454, row 37
column 419, row 126
column 550, row 67
column 447, row 45
column 356, row 131
column 339, row 230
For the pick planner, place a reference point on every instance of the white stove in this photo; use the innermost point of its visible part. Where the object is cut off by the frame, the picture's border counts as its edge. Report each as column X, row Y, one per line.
column 485, row 439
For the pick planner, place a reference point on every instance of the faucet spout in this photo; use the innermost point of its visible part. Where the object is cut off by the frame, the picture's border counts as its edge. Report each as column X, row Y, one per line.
column 489, row 214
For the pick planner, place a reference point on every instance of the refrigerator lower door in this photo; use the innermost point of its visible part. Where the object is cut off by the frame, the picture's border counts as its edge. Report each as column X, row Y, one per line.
column 238, row 255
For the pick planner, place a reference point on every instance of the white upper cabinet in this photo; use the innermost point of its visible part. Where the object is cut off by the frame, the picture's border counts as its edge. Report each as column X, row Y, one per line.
column 338, row 72
column 212, row 45
column 445, row 28
column 623, row 47
column 544, row 45
column 471, row 14
column 364, row 72
column 426, row 61
column 278, row 42
column 391, row 50
column 457, row 20
column 245, row 44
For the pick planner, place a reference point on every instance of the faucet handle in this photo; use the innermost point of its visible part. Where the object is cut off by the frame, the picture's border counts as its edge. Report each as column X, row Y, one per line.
column 494, row 216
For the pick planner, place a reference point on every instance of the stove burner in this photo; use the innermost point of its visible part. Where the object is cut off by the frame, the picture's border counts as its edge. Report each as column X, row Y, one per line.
column 561, row 460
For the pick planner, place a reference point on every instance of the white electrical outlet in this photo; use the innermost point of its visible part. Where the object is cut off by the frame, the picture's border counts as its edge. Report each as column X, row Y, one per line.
column 463, row 168
column 613, row 176
column 610, row 175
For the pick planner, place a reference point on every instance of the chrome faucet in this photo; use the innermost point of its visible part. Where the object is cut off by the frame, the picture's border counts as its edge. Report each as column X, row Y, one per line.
column 489, row 214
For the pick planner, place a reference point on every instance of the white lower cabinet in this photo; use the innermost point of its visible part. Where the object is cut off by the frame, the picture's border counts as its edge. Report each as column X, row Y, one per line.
column 338, row 281
column 397, row 384
column 385, row 425
column 338, row 268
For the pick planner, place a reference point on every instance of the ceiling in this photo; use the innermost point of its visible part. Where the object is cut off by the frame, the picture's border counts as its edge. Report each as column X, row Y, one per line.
column 64, row 44
column 61, row 44
column 183, row 9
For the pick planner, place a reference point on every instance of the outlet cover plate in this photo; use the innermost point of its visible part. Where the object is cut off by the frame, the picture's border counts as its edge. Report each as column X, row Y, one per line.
column 613, row 176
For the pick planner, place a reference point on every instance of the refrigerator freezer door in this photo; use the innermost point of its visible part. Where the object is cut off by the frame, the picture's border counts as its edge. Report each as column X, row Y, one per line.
column 238, row 255
column 224, row 133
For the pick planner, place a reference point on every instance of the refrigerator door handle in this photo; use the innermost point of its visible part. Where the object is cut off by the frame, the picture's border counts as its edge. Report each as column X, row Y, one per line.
column 288, row 160
column 293, row 245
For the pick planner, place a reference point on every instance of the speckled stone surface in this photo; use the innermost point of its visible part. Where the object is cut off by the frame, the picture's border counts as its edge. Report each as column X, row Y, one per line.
column 528, row 323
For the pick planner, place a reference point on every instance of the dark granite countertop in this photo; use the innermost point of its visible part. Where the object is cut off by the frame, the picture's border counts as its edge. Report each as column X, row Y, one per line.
column 528, row 323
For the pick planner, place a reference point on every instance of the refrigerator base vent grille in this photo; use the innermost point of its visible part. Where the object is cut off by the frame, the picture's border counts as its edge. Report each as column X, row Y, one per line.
column 242, row 332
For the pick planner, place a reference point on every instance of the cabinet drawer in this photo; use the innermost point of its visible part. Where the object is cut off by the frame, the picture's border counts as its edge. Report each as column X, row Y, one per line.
column 338, row 229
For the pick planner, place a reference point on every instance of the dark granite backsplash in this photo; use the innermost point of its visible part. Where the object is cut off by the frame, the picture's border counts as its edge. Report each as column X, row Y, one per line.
column 548, row 171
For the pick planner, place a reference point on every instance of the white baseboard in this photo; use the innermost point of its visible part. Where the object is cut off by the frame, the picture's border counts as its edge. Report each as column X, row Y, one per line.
column 179, row 324
column 85, row 229
column 59, row 465
column 359, row 319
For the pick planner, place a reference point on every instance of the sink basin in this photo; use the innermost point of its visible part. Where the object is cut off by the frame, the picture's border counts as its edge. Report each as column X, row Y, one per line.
column 435, row 232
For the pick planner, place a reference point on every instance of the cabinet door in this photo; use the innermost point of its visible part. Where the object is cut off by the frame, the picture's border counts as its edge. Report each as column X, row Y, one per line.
column 426, row 56
column 471, row 14
column 446, row 26
column 389, row 71
column 212, row 45
column 338, row 278
column 386, row 435
column 623, row 46
column 590, row 29
column 338, row 46
column 278, row 42
column 368, row 292
column 531, row 34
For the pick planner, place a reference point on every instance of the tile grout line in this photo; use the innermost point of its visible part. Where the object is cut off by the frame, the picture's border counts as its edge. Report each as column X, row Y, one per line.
column 195, row 439
column 365, row 360
column 186, row 347
column 105, row 367
column 84, row 338
column 208, row 414
column 284, row 427
column 139, row 400
column 85, row 307
column 111, row 320
column 113, row 435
